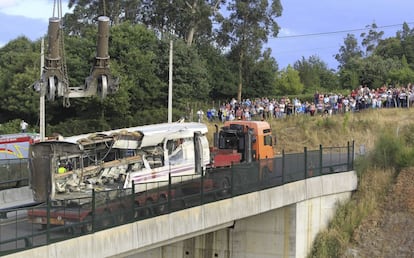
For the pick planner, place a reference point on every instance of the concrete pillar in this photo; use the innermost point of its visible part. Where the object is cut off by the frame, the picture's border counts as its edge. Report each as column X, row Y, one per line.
column 286, row 232
column 312, row 217
column 271, row 234
column 211, row 245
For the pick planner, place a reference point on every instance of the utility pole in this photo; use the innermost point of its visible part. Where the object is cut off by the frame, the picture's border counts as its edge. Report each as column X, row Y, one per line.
column 170, row 75
column 42, row 93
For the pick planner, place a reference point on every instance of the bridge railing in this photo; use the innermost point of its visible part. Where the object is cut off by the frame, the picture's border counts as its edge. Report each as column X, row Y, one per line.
column 109, row 208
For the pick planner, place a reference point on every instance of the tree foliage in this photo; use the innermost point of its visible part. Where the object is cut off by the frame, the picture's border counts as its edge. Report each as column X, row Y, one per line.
column 350, row 50
column 371, row 39
column 288, row 82
column 315, row 75
column 246, row 29
column 211, row 64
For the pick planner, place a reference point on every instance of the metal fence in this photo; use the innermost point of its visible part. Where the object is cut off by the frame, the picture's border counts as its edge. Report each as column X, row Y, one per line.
column 104, row 209
column 13, row 173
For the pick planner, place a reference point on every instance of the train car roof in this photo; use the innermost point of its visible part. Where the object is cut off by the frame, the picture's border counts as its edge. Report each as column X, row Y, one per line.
column 20, row 135
column 159, row 131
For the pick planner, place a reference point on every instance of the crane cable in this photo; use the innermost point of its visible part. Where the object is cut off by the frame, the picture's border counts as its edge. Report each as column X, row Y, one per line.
column 57, row 8
column 104, row 7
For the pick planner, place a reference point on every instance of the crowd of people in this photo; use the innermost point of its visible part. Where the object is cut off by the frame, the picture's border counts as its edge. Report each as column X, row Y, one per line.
column 322, row 104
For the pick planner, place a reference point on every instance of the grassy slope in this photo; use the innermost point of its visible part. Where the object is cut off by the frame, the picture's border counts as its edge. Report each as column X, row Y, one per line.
column 296, row 132
column 365, row 128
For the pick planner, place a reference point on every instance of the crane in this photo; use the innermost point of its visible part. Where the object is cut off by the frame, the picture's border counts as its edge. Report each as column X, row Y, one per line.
column 55, row 76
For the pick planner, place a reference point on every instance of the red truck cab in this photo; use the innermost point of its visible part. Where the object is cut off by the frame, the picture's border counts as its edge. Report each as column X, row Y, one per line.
column 242, row 141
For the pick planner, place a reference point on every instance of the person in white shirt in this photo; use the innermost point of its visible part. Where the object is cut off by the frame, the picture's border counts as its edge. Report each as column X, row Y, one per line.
column 23, row 126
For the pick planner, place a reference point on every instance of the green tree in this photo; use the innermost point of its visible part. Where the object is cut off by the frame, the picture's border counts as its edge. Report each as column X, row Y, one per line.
column 350, row 50
column 288, row 82
column 262, row 76
column 221, row 72
column 371, row 39
column 246, row 28
column 135, row 51
column 19, row 69
column 407, row 44
column 186, row 19
column 402, row 76
column 371, row 71
column 87, row 11
column 390, row 48
column 315, row 75
column 190, row 79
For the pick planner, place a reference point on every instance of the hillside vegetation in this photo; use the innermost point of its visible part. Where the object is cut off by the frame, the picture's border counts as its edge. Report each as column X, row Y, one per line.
column 364, row 227
column 378, row 220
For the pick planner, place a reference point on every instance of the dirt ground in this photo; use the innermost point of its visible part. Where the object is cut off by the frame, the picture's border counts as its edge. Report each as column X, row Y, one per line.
column 389, row 232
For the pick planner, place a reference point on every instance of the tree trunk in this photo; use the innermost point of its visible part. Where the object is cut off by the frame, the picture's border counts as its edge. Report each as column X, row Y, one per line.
column 192, row 29
column 239, row 91
column 190, row 36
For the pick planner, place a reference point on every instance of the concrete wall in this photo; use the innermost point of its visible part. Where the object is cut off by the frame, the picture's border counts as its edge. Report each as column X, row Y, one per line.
column 15, row 196
column 278, row 222
column 285, row 232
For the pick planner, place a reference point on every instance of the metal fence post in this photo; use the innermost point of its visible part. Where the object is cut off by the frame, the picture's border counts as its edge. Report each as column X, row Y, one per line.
column 353, row 155
column 48, row 220
column 231, row 179
column 169, row 191
column 320, row 159
column 348, row 157
column 283, row 166
column 132, row 215
column 202, row 188
column 93, row 209
column 305, row 156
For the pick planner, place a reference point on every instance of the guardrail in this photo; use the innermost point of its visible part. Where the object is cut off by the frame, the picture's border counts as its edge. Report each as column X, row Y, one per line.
column 106, row 209
column 13, row 173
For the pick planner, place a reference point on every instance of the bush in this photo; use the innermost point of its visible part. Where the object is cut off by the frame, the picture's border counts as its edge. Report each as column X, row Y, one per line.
column 392, row 151
column 327, row 244
column 391, row 154
column 11, row 127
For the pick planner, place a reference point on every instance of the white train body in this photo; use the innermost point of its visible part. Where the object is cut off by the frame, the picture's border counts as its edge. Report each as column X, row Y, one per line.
column 71, row 167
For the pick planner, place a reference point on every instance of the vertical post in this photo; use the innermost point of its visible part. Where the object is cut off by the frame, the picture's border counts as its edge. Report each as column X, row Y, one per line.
column 170, row 75
column 169, row 191
column 305, row 152
column 231, row 179
column 48, row 219
column 42, row 93
column 353, row 154
column 348, row 158
column 133, row 201
column 283, row 166
column 93, row 210
column 320, row 159
column 202, row 188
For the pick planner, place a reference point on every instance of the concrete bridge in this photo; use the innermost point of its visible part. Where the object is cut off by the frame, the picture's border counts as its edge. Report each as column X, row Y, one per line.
column 277, row 222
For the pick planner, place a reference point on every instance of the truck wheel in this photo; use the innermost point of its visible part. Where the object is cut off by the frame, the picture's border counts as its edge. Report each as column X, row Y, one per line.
column 121, row 216
column 70, row 230
column 124, row 215
column 106, row 220
column 147, row 209
column 266, row 173
column 224, row 187
column 87, row 227
column 136, row 210
column 163, row 204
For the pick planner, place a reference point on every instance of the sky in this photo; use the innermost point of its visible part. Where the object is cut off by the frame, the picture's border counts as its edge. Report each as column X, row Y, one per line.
column 328, row 20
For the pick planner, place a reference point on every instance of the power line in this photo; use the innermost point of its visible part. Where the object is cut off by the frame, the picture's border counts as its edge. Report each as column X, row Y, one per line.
column 338, row 31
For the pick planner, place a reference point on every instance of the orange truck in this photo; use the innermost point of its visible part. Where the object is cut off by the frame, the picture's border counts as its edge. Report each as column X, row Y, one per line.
column 242, row 141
